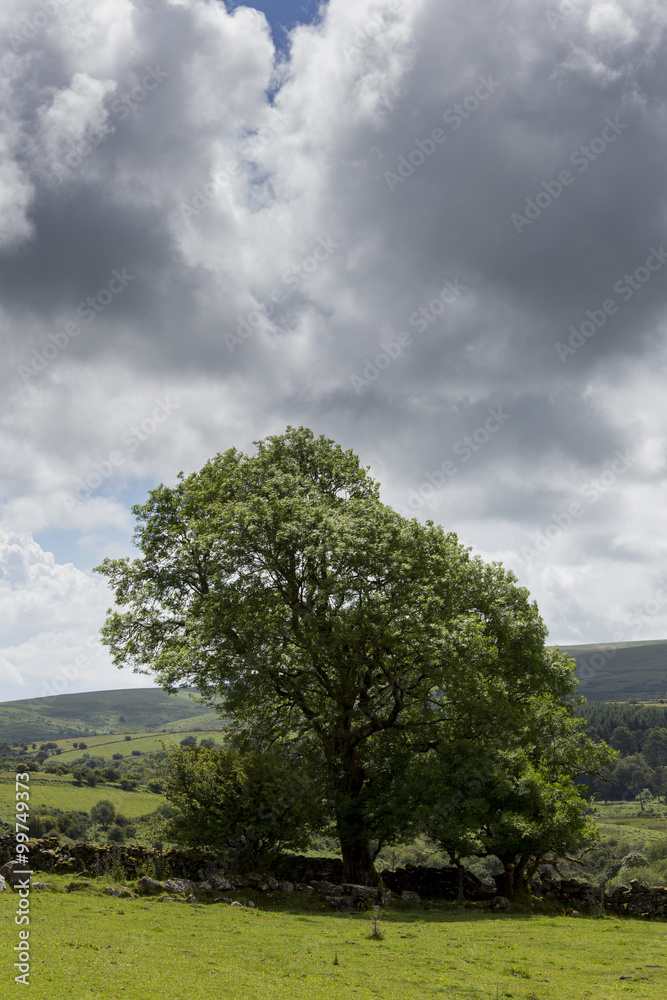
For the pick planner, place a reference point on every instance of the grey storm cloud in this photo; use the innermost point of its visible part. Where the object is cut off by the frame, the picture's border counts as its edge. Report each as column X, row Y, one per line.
column 414, row 215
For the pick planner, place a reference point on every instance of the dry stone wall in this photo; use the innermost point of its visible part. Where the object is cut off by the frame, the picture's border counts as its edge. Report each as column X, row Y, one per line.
column 638, row 899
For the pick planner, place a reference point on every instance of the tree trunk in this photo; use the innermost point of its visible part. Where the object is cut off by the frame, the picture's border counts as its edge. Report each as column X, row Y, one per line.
column 357, row 865
column 353, row 834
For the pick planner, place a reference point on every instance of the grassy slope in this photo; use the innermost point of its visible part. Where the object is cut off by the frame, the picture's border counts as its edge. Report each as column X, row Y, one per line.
column 107, row 746
column 76, row 715
column 142, row 949
column 64, row 794
column 610, row 672
column 607, row 673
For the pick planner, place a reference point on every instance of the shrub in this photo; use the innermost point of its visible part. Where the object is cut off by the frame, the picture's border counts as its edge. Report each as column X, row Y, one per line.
column 103, row 813
column 117, row 756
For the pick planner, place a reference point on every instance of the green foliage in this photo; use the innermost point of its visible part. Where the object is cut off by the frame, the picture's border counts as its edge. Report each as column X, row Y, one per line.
column 103, row 813
column 250, row 803
column 280, row 584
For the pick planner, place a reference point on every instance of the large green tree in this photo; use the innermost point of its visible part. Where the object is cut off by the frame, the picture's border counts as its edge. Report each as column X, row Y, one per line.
column 279, row 583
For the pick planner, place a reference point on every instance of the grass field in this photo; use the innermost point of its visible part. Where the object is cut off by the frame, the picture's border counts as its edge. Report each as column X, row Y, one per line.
column 80, row 715
column 107, row 746
column 88, row 945
column 617, row 672
column 65, row 795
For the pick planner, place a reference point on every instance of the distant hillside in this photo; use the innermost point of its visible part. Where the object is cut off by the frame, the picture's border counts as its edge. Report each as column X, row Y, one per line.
column 133, row 710
column 606, row 672
column 617, row 672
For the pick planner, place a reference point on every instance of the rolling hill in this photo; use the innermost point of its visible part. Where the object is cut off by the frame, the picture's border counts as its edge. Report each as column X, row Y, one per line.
column 133, row 710
column 617, row 672
column 606, row 672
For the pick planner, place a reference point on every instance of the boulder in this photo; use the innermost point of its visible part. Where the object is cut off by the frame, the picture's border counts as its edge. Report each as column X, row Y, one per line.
column 500, row 903
column 15, row 872
column 215, row 884
column 183, row 885
column 123, row 893
column 286, row 887
column 146, row 885
column 410, row 897
column 3, row 884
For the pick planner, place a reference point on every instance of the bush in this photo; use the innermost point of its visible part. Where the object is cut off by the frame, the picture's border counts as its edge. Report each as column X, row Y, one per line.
column 116, row 835
column 656, row 850
column 251, row 802
column 117, row 756
column 103, row 813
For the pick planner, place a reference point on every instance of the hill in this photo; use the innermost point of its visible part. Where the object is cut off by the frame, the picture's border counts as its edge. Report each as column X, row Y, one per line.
column 619, row 671
column 132, row 710
column 606, row 672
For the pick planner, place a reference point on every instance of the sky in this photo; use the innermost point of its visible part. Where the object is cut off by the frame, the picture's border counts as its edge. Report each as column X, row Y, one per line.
column 430, row 231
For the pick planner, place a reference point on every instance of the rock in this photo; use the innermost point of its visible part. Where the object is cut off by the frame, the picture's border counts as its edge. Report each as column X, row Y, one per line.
column 183, row 885
column 286, row 887
column 191, row 898
column 222, row 899
column 76, row 886
column 410, row 897
column 370, row 893
column 123, row 893
column 3, row 884
column 328, row 889
column 216, row 884
column 15, row 871
column 146, row 885
column 236, row 903
column 41, row 885
column 250, row 903
column 500, row 903
column 272, row 884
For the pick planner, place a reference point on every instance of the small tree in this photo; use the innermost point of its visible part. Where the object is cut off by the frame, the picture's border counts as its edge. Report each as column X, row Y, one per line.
column 103, row 813
column 250, row 802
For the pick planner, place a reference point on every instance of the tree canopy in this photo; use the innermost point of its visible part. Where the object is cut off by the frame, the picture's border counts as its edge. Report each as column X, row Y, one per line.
column 280, row 584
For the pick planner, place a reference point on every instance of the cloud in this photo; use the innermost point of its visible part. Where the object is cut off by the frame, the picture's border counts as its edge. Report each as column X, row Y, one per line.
column 427, row 145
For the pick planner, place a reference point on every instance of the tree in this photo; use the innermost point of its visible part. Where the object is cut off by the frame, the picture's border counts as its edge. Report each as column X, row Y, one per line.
column 103, row 813
column 252, row 802
column 282, row 585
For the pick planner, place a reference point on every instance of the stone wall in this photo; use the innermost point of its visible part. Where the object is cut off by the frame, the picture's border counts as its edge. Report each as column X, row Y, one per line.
column 639, row 899
column 636, row 900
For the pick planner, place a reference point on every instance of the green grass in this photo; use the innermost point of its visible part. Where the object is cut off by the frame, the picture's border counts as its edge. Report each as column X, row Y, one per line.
column 80, row 715
column 65, row 795
column 90, row 945
column 620, row 671
column 107, row 746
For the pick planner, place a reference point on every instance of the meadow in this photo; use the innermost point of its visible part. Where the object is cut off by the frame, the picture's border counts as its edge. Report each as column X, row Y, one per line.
column 91, row 945
column 65, row 795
